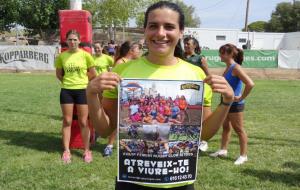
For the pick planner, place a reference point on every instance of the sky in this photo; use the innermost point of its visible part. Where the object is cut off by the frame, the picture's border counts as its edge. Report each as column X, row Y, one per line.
column 231, row 13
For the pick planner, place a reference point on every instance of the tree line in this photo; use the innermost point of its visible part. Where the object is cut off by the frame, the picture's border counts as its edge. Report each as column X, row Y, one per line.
column 41, row 16
column 285, row 18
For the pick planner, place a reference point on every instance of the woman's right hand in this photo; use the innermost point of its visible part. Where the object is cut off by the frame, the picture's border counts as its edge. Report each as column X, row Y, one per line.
column 105, row 81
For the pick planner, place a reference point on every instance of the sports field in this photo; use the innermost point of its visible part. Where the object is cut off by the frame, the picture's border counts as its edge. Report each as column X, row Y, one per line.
column 30, row 141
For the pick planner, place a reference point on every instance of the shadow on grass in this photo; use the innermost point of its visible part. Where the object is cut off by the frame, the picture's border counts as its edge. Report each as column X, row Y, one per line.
column 288, row 178
column 54, row 117
column 292, row 165
column 206, row 154
column 283, row 141
column 46, row 142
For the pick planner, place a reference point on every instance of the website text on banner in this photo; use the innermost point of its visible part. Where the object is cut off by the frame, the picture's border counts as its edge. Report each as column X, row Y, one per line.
column 252, row 58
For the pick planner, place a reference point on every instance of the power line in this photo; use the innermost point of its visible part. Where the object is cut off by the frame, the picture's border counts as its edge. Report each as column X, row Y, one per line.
column 212, row 6
column 234, row 13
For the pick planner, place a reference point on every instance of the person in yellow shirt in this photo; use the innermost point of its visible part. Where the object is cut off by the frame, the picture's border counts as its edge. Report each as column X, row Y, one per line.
column 103, row 62
column 71, row 69
column 163, row 26
column 128, row 51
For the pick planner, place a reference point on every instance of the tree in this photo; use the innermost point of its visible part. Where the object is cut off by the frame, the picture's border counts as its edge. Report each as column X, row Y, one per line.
column 109, row 14
column 258, row 26
column 8, row 14
column 41, row 16
column 286, row 18
column 191, row 19
column 37, row 16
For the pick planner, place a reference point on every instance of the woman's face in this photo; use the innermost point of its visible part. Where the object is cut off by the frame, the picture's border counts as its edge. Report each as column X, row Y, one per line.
column 98, row 49
column 135, row 51
column 73, row 42
column 189, row 46
column 162, row 32
column 225, row 57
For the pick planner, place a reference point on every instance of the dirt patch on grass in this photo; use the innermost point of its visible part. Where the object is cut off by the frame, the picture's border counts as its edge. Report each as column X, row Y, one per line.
column 282, row 74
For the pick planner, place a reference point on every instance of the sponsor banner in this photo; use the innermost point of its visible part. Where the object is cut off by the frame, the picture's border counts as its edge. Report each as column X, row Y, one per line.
column 27, row 57
column 252, row 58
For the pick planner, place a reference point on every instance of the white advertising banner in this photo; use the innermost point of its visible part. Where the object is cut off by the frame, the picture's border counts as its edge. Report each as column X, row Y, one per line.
column 27, row 57
column 289, row 59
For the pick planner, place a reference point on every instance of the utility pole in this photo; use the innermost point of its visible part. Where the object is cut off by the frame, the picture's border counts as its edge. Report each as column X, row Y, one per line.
column 246, row 18
column 246, row 24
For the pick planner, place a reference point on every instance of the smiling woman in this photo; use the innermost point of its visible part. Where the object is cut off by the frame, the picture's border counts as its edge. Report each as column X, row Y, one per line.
column 163, row 31
column 164, row 25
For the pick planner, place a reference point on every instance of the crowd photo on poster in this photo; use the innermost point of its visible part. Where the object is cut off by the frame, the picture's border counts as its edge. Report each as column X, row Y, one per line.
column 159, row 130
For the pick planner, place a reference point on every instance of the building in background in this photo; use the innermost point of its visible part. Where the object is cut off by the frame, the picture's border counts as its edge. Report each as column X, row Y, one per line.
column 210, row 38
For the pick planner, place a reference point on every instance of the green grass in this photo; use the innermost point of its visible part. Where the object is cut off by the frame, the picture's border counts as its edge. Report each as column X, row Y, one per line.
column 30, row 141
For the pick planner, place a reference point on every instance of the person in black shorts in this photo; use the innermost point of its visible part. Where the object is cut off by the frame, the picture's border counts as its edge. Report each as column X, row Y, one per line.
column 72, row 67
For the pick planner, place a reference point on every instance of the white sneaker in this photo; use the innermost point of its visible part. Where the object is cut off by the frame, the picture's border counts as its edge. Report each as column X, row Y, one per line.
column 241, row 160
column 219, row 153
column 203, row 146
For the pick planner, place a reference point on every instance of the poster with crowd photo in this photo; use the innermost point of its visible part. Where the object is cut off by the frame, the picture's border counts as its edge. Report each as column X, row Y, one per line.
column 159, row 125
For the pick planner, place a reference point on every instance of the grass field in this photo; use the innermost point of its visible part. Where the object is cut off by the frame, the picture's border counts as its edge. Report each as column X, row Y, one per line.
column 30, row 142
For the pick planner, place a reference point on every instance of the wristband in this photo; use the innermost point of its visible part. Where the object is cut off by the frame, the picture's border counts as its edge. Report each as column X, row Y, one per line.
column 225, row 104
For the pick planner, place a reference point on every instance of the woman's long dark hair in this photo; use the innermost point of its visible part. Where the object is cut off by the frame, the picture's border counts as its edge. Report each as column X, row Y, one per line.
column 166, row 4
column 123, row 50
column 237, row 53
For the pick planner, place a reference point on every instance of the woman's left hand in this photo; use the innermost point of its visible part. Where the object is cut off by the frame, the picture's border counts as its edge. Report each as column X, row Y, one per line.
column 237, row 98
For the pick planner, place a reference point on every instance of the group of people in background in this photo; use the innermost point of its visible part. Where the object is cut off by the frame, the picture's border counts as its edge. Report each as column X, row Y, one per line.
column 75, row 75
column 86, row 84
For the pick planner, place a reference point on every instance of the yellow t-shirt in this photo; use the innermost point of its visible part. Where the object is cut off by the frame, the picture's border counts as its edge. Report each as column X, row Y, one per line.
column 75, row 66
column 103, row 62
column 142, row 68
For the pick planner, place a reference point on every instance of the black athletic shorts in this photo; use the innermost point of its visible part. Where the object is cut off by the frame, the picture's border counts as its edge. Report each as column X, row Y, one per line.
column 132, row 186
column 72, row 96
column 237, row 108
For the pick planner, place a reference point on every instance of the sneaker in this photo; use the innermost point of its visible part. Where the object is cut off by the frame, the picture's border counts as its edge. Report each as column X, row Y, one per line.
column 108, row 151
column 241, row 160
column 203, row 146
column 66, row 157
column 219, row 153
column 87, row 156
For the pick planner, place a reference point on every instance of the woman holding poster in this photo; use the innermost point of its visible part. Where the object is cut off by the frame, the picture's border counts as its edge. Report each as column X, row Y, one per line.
column 164, row 25
column 234, row 74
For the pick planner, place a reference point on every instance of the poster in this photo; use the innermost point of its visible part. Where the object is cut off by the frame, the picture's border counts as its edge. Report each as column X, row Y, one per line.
column 159, row 125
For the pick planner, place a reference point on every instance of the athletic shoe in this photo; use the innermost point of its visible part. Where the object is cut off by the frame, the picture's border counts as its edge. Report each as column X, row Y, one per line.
column 241, row 160
column 87, row 156
column 66, row 157
column 219, row 153
column 108, row 151
column 203, row 146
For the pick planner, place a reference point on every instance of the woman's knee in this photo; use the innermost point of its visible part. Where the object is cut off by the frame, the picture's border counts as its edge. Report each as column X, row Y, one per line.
column 67, row 121
column 82, row 122
column 240, row 131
